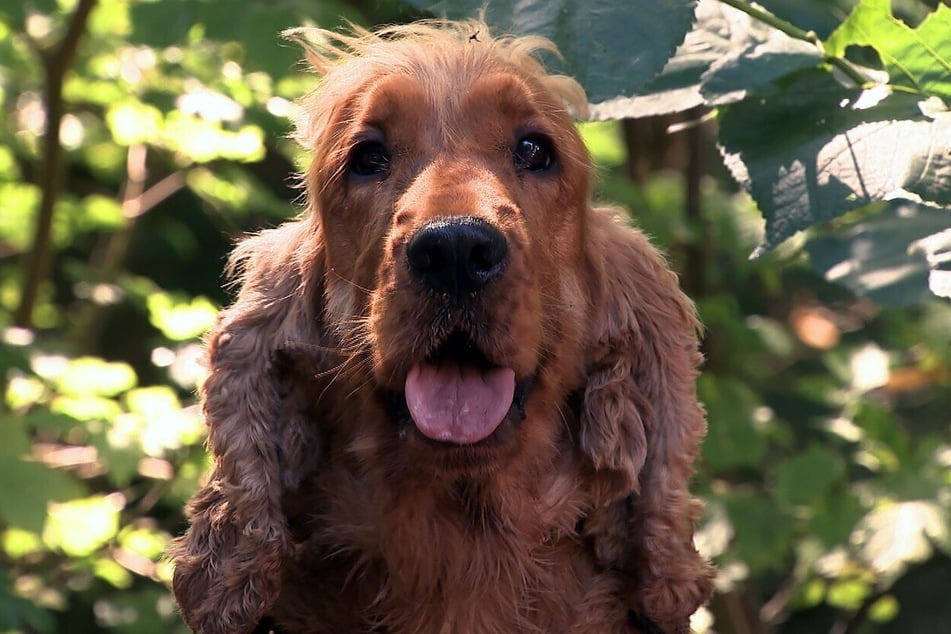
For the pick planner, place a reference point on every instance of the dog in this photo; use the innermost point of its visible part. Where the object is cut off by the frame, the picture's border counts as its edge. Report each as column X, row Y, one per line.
column 453, row 395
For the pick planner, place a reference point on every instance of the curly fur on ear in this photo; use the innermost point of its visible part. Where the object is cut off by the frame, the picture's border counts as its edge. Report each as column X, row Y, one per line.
column 641, row 424
column 228, row 565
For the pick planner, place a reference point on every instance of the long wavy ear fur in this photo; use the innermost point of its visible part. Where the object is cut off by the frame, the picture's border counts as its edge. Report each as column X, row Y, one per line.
column 641, row 424
column 228, row 565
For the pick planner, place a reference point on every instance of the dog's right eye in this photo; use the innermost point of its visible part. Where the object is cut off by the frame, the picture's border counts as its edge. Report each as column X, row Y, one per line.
column 533, row 153
column 369, row 158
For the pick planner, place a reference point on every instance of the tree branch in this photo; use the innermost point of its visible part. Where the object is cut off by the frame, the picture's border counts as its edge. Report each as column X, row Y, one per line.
column 55, row 64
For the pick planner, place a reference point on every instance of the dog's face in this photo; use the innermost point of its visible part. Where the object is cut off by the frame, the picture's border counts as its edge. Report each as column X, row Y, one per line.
column 452, row 194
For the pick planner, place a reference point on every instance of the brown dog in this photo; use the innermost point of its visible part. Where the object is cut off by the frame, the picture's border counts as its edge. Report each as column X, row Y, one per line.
column 452, row 396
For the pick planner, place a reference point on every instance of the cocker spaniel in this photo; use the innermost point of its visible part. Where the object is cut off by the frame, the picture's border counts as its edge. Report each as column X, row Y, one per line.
column 452, row 396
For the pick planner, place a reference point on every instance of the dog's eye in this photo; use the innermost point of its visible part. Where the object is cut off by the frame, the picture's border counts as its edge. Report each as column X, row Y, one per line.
column 533, row 153
column 369, row 158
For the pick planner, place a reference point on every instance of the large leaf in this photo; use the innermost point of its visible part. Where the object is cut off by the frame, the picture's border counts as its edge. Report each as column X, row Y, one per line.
column 878, row 257
column 27, row 487
column 814, row 151
column 726, row 55
column 809, row 477
column 918, row 59
column 612, row 47
column 819, row 16
column 733, row 440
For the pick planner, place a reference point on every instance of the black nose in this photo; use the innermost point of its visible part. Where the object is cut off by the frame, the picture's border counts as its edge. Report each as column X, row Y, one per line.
column 458, row 255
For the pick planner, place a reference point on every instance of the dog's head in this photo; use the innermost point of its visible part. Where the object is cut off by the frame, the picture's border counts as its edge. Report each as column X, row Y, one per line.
column 452, row 190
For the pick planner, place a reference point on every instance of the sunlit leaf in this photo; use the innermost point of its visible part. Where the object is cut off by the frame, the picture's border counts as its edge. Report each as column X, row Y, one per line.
column 9, row 170
column 211, row 185
column 80, row 527
column 918, row 59
column 157, row 421
column 149, row 543
column 897, row 534
column 23, row 391
column 848, row 594
column 884, row 609
column 604, row 142
column 134, row 122
column 181, row 320
column 85, row 407
column 19, row 543
column 110, row 17
column 877, row 257
column 18, row 203
column 109, row 570
column 91, row 376
column 824, row 155
column 102, row 212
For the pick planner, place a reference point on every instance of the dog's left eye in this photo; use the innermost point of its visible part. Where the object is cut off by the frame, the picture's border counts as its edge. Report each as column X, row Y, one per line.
column 533, row 153
column 369, row 158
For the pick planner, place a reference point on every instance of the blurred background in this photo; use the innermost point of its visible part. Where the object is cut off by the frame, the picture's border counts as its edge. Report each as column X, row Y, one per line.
column 138, row 140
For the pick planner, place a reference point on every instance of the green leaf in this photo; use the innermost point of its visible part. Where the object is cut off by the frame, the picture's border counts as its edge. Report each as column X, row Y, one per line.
column 883, row 257
column 819, row 16
column 807, row 478
column 600, row 41
column 255, row 26
column 813, row 151
column 27, row 486
column 834, row 519
column 80, row 527
column 15, row 13
column 87, row 376
column 917, row 59
column 746, row 71
column 718, row 30
column 763, row 534
column 180, row 320
column 848, row 594
column 733, row 440
column 727, row 55
column 133, row 122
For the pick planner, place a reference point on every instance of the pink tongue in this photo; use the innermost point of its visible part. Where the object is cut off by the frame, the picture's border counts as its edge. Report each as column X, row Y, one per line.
column 456, row 403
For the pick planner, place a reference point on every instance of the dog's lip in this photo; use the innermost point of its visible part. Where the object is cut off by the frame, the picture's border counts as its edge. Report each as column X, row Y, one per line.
column 462, row 348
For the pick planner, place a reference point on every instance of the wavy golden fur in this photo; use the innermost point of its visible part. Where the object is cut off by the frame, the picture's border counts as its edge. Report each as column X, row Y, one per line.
column 344, row 497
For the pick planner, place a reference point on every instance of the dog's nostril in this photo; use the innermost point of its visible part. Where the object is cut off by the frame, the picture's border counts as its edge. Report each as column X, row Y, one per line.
column 457, row 255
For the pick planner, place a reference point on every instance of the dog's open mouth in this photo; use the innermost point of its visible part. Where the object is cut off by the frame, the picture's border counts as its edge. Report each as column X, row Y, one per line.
column 458, row 396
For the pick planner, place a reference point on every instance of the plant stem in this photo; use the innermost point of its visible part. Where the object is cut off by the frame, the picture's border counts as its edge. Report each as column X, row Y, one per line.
column 55, row 65
column 795, row 32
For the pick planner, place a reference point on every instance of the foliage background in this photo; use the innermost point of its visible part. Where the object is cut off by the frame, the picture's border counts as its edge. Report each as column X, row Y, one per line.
column 828, row 463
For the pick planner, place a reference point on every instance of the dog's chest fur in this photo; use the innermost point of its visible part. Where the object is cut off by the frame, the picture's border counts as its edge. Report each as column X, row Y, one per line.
column 498, row 553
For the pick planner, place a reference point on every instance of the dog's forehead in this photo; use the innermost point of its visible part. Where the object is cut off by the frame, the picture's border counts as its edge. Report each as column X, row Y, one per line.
column 427, row 93
column 440, row 95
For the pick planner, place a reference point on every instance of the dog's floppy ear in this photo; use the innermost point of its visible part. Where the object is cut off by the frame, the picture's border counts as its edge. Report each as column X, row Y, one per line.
column 641, row 424
column 228, row 565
